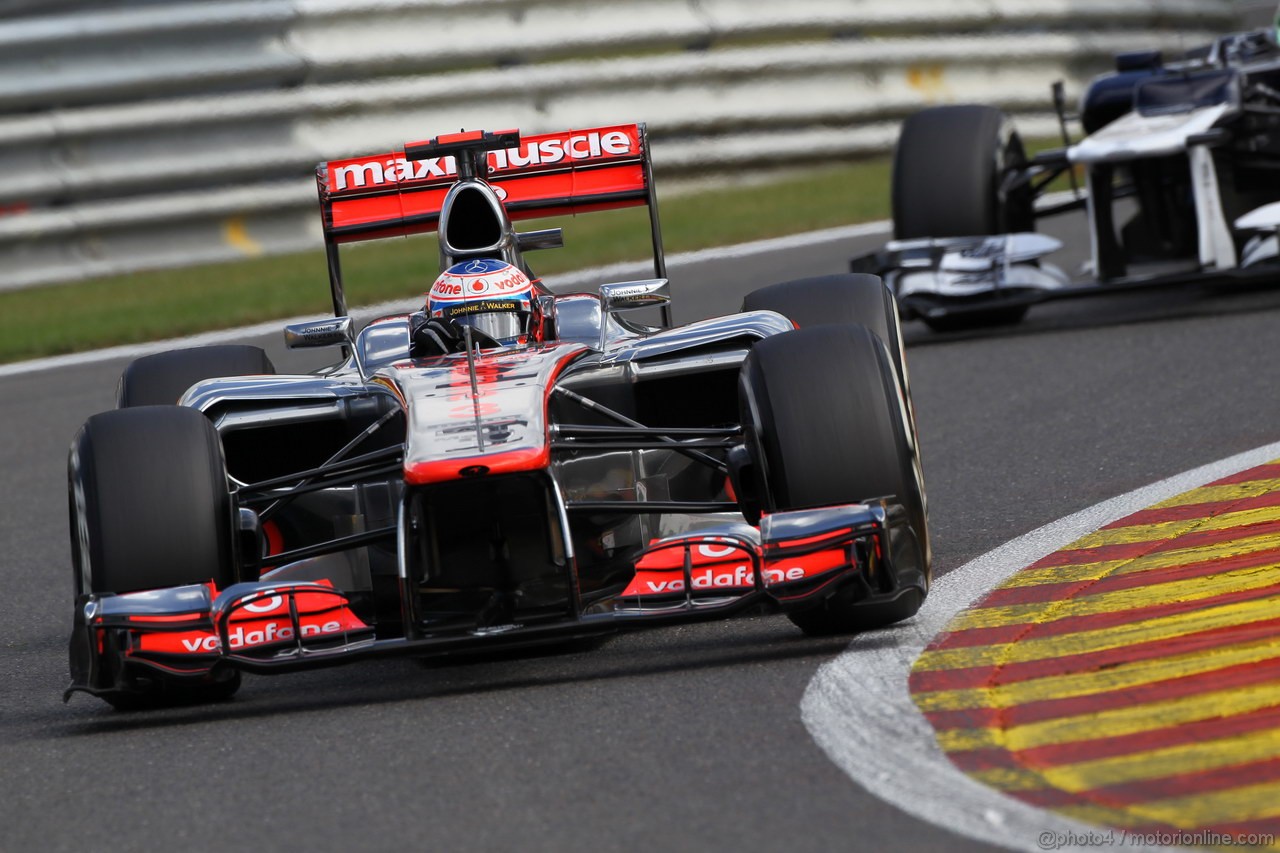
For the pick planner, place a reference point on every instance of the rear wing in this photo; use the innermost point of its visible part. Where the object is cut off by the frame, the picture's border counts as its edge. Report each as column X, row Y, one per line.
column 402, row 192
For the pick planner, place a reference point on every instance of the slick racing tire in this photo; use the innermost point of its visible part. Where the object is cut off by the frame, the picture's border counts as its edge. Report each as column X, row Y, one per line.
column 948, row 167
column 161, row 379
column 150, row 508
column 824, row 426
column 843, row 298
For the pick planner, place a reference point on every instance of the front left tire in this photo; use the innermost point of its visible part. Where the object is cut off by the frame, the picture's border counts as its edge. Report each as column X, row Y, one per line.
column 843, row 298
column 824, row 425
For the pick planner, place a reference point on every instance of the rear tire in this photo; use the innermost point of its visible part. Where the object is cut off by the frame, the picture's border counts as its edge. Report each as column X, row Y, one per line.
column 162, row 379
column 824, row 426
column 150, row 509
column 948, row 167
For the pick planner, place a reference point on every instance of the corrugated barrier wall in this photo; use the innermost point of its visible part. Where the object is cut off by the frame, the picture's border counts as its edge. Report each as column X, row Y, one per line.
column 138, row 134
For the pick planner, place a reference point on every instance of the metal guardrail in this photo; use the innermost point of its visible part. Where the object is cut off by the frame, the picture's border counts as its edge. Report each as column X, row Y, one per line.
column 201, row 146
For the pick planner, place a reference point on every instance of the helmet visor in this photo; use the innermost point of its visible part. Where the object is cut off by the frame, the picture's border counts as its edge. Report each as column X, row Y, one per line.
column 499, row 325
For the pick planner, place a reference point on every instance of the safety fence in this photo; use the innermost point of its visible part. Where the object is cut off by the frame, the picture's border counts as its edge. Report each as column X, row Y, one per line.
column 158, row 135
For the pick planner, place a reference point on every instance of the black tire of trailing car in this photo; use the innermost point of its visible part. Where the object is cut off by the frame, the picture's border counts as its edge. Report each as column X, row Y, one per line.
column 823, row 427
column 947, row 172
column 841, row 298
column 161, row 379
column 150, row 508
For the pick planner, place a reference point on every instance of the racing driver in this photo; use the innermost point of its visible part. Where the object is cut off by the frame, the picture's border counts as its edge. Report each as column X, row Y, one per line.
column 492, row 298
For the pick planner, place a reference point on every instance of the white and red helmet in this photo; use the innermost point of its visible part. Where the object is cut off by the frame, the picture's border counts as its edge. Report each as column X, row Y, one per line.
column 493, row 297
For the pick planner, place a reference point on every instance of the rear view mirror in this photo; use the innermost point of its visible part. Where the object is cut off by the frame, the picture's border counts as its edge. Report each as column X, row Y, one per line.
column 630, row 295
column 331, row 332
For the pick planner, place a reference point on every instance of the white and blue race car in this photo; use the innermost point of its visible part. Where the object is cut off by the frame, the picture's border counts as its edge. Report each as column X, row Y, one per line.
column 1181, row 171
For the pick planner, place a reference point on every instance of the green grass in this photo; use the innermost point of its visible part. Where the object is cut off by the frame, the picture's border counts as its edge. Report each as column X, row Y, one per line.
column 168, row 303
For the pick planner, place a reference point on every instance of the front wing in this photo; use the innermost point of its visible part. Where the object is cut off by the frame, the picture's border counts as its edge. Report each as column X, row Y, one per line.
column 793, row 561
column 952, row 277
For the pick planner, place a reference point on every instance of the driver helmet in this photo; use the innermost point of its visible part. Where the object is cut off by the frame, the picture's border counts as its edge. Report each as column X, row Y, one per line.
column 492, row 297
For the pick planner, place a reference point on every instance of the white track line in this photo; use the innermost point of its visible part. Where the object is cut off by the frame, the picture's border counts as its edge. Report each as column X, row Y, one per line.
column 860, row 712
column 566, row 282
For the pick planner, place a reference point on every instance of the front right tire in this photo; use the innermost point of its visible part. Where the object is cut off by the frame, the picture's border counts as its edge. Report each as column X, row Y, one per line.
column 150, row 509
column 949, row 168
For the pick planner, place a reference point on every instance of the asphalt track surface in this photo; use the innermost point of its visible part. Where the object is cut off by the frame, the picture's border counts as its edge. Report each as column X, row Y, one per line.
column 678, row 739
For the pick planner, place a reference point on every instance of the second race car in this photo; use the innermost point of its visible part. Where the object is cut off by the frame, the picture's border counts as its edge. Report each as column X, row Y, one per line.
column 1181, row 164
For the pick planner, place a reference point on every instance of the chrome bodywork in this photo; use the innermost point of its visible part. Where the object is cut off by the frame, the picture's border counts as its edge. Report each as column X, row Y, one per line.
column 490, row 497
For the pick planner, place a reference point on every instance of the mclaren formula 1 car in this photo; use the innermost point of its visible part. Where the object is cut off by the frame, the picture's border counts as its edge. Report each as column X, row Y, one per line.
column 1181, row 165
column 508, row 467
